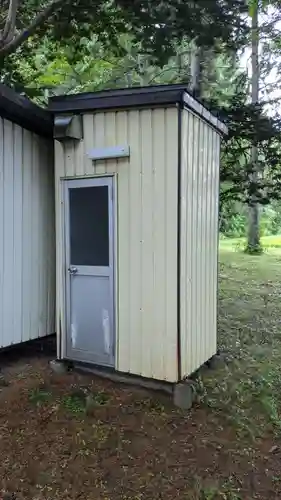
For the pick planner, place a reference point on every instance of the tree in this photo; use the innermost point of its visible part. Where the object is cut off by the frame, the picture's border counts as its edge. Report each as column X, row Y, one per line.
column 51, row 70
column 10, row 37
column 119, row 54
column 157, row 24
column 253, row 232
column 251, row 163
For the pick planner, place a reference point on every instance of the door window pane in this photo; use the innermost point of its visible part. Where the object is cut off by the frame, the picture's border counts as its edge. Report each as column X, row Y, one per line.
column 89, row 229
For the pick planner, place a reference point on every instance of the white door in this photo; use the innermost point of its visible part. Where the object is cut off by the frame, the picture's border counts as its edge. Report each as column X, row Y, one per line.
column 89, row 270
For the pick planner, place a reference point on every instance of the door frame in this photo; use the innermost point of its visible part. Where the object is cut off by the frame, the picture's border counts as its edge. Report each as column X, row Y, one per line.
column 97, row 180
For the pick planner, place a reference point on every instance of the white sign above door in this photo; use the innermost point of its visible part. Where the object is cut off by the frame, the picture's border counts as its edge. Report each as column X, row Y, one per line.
column 107, row 153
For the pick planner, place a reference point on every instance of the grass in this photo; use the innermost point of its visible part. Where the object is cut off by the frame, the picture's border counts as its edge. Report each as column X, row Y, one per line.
column 249, row 330
column 77, row 400
column 267, row 243
column 40, row 395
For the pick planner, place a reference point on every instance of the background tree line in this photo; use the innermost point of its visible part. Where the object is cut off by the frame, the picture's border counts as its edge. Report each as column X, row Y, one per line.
column 87, row 45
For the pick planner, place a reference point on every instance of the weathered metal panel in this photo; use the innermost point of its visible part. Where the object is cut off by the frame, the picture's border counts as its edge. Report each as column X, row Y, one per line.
column 146, row 239
column 199, row 242
column 27, row 235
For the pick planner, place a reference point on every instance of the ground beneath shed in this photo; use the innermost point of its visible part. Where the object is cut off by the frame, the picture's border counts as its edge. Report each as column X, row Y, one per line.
column 128, row 446
column 132, row 445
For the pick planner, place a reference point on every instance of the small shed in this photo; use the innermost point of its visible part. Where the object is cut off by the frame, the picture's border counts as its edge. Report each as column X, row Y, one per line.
column 27, row 220
column 137, row 200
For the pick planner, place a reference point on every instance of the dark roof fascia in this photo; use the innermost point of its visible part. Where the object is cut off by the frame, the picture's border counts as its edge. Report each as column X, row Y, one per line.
column 20, row 110
column 190, row 103
column 150, row 96
column 117, row 99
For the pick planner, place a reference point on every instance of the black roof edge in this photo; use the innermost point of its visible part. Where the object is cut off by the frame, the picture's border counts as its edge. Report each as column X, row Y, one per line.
column 20, row 110
column 155, row 95
column 196, row 106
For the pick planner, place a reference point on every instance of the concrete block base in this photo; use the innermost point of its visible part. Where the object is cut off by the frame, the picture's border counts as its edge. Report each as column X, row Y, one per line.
column 125, row 378
column 184, row 395
column 59, row 367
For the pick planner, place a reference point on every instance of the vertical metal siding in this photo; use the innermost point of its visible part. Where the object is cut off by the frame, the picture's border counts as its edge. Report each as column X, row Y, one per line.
column 146, row 220
column 27, row 236
column 199, row 249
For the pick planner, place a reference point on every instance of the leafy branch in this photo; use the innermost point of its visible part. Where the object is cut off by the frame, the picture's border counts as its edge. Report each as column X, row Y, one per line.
column 10, row 38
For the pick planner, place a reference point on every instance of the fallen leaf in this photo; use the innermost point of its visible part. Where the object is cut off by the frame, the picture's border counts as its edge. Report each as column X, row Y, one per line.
column 273, row 449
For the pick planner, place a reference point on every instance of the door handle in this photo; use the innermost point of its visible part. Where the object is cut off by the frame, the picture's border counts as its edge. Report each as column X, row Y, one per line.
column 72, row 270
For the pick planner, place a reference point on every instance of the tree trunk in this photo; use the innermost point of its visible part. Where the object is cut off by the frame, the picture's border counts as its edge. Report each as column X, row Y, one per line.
column 196, row 69
column 253, row 230
column 129, row 79
column 179, row 65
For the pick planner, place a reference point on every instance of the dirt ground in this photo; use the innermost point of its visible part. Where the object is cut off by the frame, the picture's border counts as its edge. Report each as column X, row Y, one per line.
column 133, row 445
column 128, row 445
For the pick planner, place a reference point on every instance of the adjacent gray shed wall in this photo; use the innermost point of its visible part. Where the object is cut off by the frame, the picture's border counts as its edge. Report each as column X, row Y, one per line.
column 200, row 162
column 27, row 235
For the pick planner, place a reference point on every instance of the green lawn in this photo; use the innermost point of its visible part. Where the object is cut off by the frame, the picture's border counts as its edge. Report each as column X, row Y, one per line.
column 250, row 331
column 269, row 243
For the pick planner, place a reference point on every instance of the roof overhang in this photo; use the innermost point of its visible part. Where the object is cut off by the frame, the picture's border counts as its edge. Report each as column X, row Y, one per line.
column 134, row 97
column 20, row 110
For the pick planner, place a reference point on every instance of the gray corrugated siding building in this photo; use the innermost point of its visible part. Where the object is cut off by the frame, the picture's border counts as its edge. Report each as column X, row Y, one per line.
column 27, row 222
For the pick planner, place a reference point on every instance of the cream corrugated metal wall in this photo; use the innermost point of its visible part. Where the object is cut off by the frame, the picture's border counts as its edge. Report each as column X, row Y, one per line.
column 199, row 242
column 147, row 184
column 27, row 235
